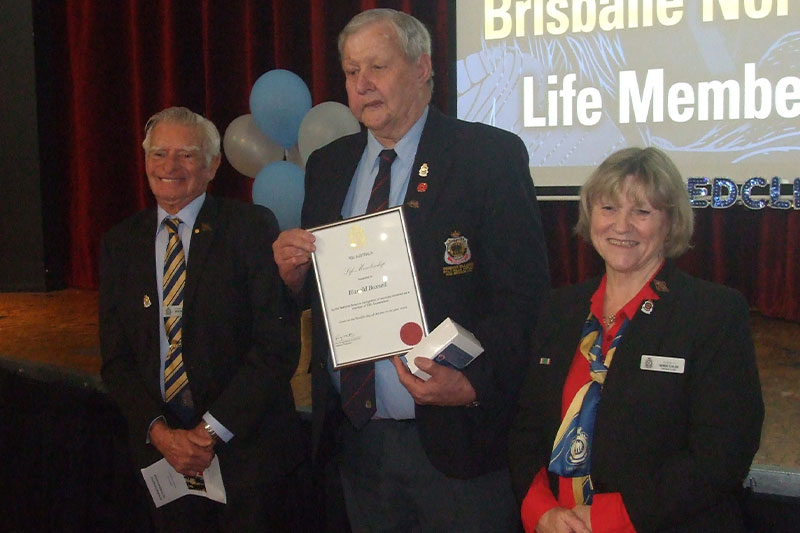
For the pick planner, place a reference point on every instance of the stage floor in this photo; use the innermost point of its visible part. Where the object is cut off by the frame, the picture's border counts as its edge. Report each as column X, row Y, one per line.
column 55, row 334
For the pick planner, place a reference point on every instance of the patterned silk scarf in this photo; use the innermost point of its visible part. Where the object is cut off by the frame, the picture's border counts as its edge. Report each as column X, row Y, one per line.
column 572, row 450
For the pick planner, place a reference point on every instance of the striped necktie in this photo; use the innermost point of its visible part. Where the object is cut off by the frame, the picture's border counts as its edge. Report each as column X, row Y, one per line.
column 358, row 382
column 572, row 450
column 176, row 390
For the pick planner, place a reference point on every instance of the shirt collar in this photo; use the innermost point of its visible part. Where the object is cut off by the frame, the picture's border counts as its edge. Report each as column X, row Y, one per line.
column 188, row 214
column 630, row 308
column 406, row 147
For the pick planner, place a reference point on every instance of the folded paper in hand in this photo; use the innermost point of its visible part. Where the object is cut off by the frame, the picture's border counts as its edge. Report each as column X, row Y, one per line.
column 167, row 485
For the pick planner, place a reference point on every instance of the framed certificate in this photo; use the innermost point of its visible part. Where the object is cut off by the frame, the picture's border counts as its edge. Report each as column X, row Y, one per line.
column 368, row 287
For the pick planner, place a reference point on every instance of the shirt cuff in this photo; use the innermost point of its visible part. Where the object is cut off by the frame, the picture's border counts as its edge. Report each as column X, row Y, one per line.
column 156, row 419
column 538, row 501
column 609, row 514
column 222, row 432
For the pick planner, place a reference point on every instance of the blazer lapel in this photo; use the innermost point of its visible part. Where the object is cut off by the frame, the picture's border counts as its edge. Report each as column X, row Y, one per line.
column 332, row 175
column 144, row 289
column 202, row 236
column 654, row 328
column 431, row 167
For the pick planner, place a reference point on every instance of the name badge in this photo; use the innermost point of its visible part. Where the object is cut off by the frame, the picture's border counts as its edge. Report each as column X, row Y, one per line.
column 173, row 310
column 658, row 363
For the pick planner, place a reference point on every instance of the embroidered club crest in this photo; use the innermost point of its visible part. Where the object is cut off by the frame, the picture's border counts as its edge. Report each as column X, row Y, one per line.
column 456, row 249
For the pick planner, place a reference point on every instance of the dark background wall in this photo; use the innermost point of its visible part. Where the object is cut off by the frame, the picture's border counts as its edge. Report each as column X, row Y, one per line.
column 23, row 261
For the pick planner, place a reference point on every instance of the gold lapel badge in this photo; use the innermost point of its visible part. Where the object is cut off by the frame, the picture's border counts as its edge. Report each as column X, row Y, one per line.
column 413, row 204
column 146, row 301
column 203, row 227
column 423, row 170
column 660, row 286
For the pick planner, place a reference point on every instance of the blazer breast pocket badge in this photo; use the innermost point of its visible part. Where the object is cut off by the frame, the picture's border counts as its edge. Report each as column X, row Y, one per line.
column 660, row 363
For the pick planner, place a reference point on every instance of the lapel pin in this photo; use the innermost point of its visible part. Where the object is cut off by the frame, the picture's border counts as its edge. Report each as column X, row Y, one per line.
column 660, row 286
column 423, row 170
column 146, row 301
column 544, row 360
column 413, row 204
column 647, row 307
column 422, row 187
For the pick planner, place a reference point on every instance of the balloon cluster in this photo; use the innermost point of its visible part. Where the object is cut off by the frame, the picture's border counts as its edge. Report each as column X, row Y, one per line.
column 273, row 142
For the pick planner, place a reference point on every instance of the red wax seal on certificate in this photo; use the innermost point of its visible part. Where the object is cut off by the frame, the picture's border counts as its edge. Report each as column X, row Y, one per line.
column 411, row 333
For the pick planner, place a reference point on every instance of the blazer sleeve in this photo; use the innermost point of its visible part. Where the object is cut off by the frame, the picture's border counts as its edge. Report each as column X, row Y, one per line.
column 260, row 384
column 121, row 363
column 515, row 273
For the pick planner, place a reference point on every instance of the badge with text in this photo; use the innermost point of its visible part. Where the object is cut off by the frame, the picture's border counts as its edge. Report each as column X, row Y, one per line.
column 457, row 255
column 173, row 310
column 660, row 363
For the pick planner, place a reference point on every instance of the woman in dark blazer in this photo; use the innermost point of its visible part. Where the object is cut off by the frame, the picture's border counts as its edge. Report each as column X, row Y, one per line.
column 642, row 408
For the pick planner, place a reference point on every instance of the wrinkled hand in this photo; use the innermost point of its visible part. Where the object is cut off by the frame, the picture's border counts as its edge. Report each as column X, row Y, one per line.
column 292, row 251
column 584, row 512
column 446, row 386
column 561, row 520
column 189, row 451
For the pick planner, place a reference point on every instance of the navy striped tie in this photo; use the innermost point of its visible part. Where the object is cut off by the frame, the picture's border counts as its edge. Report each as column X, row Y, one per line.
column 358, row 382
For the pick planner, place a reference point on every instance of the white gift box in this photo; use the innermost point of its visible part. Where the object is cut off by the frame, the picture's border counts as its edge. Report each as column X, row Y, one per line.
column 449, row 345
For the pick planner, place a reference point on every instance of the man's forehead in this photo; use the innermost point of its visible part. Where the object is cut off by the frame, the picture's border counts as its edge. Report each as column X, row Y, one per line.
column 176, row 136
column 379, row 32
column 170, row 146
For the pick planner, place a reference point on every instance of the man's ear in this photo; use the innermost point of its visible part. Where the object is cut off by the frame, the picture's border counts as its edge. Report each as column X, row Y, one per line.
column 424, row 68
column 214, row 166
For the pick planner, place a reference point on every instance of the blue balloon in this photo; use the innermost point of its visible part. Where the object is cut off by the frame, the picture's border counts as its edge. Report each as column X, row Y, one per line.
column 278, row 102
column 280, row 186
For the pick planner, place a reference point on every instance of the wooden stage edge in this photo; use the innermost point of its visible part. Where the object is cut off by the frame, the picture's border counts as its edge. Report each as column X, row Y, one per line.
column 53, row 337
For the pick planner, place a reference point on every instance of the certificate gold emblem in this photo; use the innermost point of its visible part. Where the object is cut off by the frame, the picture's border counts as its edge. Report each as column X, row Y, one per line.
column 357, row 236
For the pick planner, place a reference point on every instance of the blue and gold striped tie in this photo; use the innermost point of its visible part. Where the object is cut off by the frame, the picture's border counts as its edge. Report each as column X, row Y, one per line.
column 176, row 390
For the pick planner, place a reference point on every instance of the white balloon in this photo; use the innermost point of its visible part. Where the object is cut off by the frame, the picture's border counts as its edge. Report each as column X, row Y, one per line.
column 324, row 123
column 247, row 148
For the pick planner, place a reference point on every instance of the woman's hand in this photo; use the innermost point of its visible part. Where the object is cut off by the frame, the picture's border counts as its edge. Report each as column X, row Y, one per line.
column 561, row 520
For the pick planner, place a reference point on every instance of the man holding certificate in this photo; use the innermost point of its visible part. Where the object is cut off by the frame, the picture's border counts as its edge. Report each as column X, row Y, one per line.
column 427, row 455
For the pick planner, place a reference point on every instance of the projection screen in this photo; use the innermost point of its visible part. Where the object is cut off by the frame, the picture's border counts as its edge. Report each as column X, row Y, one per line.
column 712, row 82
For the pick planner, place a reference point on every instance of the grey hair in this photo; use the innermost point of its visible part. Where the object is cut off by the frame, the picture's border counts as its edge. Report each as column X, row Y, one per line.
column 186, row 117
column 655, row 178
column 412, row 35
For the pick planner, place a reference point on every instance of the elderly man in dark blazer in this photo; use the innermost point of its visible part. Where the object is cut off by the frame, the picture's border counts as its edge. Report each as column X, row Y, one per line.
column 205, row 369
column 432, row 456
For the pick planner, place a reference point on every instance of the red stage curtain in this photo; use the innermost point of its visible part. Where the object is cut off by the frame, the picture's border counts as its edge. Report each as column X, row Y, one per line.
column 122, row 61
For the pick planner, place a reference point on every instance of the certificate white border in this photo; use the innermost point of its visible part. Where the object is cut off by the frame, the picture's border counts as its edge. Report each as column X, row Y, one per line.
column 325, row 283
